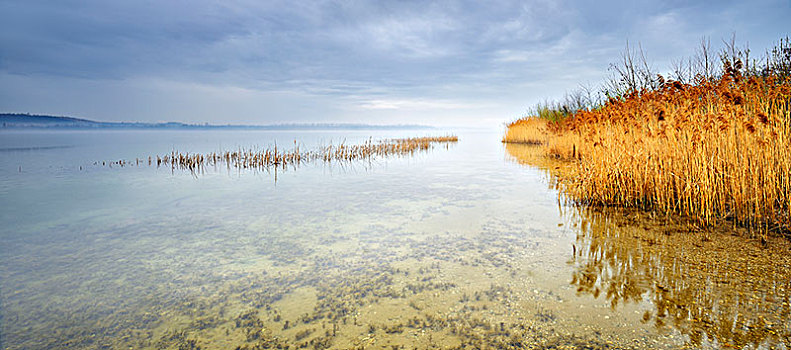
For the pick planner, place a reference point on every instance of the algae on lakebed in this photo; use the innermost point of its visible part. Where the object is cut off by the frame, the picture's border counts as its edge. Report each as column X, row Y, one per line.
column 391, row 275
column 448, row 249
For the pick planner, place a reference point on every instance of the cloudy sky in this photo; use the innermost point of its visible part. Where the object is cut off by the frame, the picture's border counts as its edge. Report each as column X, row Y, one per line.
column 383, row 62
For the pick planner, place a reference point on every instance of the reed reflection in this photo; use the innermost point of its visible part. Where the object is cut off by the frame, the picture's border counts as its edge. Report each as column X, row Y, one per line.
column 716, row 287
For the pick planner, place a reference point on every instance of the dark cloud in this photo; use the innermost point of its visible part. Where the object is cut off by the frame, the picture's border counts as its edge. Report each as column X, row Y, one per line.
column 505, row 54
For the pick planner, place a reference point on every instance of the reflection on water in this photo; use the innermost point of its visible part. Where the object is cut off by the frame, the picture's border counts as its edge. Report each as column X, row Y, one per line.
column 717, row 288
column 713, row 287
column 443, row 249
column 451, row 249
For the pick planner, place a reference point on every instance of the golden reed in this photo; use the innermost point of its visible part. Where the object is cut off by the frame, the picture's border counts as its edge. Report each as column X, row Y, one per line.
column 713, row 150
column 273, row 158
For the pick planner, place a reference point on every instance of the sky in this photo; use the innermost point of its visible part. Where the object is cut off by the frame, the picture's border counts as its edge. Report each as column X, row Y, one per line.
column 441, row 63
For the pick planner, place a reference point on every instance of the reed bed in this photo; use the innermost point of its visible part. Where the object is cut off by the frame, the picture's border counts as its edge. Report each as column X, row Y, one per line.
column 371, row 149
column 530, row 131
column 282, row 158
column 714, row 150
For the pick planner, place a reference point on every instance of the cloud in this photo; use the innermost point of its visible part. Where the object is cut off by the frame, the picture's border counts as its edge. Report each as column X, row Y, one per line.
column 406, row 37
column 414, row 104
column 308, row 57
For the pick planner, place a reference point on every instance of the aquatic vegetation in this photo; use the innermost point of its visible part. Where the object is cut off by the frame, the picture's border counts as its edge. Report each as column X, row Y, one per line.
column 531, row 131
column 209, row 273
column 715, row 286
column 279, row 158
column 714, row 149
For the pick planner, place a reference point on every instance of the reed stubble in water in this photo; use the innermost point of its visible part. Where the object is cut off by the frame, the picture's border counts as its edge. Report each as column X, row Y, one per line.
column 274, row 158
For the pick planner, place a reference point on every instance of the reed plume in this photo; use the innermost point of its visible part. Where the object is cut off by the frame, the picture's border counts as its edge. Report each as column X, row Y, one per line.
column 714, row 150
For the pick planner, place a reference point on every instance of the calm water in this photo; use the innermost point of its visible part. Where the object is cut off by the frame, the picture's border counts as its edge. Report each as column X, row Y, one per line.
column 462, row 247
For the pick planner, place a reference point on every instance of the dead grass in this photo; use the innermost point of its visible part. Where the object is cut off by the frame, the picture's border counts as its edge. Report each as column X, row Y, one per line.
column 281, row 158
column 715, row 150
column 531, row 131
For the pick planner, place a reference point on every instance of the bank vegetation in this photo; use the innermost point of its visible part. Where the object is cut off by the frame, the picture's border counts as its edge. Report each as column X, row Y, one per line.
column 710, row 141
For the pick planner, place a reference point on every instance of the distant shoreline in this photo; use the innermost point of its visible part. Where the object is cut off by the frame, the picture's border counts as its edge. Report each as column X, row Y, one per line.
column 18, row 121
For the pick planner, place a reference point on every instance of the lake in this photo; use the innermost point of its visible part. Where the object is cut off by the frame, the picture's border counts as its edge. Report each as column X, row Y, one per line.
column 468, row 246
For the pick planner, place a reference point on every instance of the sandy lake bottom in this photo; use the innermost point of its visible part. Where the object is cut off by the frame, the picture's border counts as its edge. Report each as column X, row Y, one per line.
column 465, row 247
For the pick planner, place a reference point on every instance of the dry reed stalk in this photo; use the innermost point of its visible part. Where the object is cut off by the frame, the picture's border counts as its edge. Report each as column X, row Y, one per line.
column 712, row 151
column 532, row 131
column 274, row 158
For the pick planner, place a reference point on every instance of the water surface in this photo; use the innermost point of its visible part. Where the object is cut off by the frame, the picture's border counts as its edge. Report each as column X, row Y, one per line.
column 462, row 247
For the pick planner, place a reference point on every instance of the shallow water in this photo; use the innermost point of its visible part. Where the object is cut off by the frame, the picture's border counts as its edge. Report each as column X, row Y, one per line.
column 458, row 247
